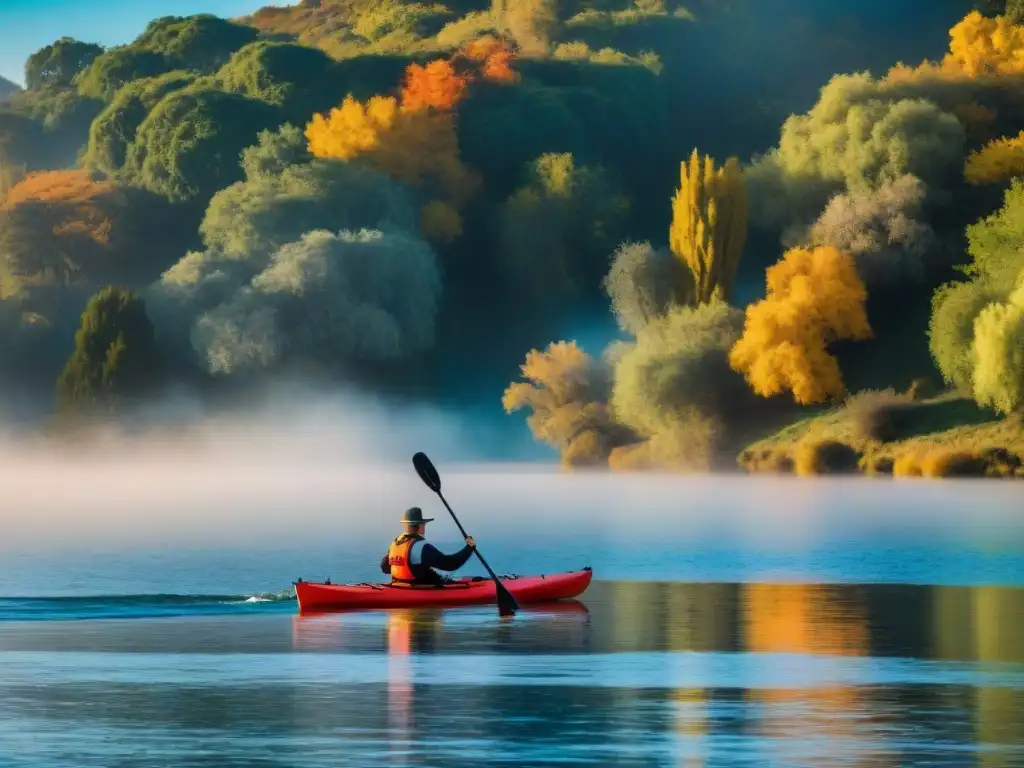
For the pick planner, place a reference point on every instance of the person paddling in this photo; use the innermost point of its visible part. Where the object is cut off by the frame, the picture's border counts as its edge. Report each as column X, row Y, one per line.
column 411, row 559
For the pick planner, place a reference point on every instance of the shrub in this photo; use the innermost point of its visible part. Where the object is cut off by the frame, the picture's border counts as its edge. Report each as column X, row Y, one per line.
column 879, row 415
column 771, row 460
column 951, row 463
column 907, row 464
column 878, row 465
column 825, row 457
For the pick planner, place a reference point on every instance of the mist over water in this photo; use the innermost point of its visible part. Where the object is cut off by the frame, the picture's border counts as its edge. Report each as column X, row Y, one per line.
column 310, row 485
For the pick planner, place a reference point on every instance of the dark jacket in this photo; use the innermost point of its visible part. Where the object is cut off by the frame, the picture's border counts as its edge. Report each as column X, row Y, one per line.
column 430, row 558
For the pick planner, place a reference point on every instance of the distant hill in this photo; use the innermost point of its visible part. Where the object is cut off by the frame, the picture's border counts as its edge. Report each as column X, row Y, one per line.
column 7, row 88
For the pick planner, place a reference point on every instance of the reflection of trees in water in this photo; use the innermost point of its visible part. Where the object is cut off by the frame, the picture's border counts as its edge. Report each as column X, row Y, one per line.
column 665, row 616
column 813, row 619
column 985, row 624
column 999, row 637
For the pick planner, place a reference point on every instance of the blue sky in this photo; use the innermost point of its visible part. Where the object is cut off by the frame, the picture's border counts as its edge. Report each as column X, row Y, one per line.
column 28, row 25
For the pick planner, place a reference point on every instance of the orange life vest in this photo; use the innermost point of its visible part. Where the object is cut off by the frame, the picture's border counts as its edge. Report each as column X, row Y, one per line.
column 398, row 558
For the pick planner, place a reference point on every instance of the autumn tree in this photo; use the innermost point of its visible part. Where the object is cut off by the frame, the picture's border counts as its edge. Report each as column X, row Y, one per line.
column 410, row 137
column 566, row 391
column 709, row 224
column 814, row 297
column 999, row 160
column 63, row 228
column 115, row 357
column 56, row 225
column 494, row 59
column 982, row 45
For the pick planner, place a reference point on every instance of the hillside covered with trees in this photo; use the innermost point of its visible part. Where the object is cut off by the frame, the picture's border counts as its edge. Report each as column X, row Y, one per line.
column 7, row 88
column 405, row 197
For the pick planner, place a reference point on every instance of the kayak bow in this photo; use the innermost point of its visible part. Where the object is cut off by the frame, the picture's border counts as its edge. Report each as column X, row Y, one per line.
column 323, row 596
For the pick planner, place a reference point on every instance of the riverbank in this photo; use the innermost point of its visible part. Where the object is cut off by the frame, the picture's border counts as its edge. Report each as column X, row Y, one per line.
column 889, row 433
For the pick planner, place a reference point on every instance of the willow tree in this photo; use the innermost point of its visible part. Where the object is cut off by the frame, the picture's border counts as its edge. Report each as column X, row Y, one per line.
column 709, row 224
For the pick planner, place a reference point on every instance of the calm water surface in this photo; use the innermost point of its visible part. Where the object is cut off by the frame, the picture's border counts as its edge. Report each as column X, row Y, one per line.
column 867, row 631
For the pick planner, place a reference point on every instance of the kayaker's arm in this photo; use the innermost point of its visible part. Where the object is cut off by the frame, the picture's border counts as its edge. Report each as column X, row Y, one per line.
column 435, row 558
column 385, row 566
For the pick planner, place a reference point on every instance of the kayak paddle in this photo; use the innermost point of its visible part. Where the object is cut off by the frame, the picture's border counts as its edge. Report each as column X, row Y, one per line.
column 507, row 605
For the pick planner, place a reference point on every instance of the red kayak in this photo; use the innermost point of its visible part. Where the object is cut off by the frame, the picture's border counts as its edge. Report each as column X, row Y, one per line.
column 476, row 590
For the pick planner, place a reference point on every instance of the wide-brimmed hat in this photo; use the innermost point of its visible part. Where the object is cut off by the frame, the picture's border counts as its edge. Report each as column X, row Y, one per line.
column 415, row 515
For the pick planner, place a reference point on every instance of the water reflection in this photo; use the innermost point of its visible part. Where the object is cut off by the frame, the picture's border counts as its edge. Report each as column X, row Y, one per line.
column 654, row 674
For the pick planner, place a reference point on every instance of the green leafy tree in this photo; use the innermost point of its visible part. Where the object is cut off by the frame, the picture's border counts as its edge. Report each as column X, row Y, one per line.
column 115, row 357
column 644, row 284
column 120, row 66
column 22, row 141
column 999, row 355
column 348, row 298
column 955, row 307
column 295, row 77
column 60, row 62
column 115, row 127
column 674, row 386
column 557, row 229
column 286, row 194
column 189, row 146
column 996, row 243
column 202, row 42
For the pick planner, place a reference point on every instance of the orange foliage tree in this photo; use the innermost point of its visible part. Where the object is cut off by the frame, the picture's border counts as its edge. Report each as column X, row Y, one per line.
column 814, row 297
column 412, row 136
column 999, row 160
column 57, row 227
column 494, row 58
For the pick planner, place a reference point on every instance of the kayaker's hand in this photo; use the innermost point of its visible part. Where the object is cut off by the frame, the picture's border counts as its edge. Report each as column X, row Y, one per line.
column 470, row 542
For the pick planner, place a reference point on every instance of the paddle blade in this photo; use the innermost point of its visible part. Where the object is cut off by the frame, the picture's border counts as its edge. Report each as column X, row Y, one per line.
column 507, row 605
column 426, row 471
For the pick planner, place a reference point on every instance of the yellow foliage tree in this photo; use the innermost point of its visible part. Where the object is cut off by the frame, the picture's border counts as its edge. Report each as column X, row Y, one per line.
column 982, row 45
column 352, row 129
column 411, row 138
column 813, row 298
column 709, row 224
column 999, row 160
column 563, row 392
column 979, row 45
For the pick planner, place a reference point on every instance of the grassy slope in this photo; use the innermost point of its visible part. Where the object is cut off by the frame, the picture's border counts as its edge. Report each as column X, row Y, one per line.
column 948, row 422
